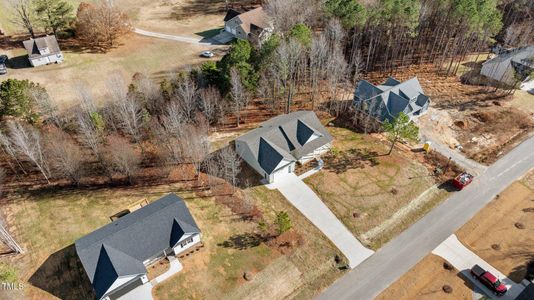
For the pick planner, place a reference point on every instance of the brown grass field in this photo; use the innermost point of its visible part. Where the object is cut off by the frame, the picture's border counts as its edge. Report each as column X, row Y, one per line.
column 495, row 227
column 47, row 223
column 425, row 281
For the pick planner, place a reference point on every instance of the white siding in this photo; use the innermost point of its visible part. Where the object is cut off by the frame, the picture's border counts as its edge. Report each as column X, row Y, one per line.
column 195, row 240
column 56, row 58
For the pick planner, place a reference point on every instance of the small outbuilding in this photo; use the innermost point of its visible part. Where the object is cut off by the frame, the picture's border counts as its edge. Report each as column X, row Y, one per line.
column 43, row 51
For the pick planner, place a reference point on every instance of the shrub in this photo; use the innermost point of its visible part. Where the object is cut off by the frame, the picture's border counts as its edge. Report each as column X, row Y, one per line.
column 283, row 222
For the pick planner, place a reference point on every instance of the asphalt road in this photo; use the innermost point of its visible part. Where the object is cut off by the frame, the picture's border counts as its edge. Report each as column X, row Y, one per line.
column 389, row 263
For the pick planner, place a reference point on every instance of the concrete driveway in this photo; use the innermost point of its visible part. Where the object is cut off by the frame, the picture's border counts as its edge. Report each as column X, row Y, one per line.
column 311, row 206
column 464, row 259
column 143, row 292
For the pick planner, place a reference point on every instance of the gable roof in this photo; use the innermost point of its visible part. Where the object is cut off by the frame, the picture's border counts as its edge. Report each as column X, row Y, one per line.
column 392, row 97
column 252, row 19
column 285, row 137
column 119, row 248
column 519, row 55
column 33, row 46
column 230, row 14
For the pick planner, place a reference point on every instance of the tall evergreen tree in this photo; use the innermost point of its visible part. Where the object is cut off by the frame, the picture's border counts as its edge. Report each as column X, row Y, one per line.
column 54, row 15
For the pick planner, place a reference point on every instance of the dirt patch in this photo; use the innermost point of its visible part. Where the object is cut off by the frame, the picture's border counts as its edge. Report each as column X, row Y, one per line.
column 429, row 279
column 503, row 232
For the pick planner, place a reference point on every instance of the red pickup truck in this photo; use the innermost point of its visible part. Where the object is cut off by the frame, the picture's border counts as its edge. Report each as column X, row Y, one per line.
column 489, row 280
column 462, row 180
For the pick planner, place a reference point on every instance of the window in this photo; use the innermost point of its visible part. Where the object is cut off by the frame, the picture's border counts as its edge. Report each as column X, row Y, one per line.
column 186, row 242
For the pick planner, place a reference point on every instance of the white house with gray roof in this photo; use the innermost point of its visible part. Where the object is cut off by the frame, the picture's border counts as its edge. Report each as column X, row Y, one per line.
column 278, row 144
column 43, row 51
column 511, row 66
column 386, row 101
column 115, row 257
column 253, row 25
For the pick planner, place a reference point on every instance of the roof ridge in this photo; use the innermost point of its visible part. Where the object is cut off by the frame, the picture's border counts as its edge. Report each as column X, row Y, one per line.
column 128, row 216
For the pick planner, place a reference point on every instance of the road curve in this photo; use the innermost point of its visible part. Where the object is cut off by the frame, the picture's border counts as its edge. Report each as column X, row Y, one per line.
column 399, row 255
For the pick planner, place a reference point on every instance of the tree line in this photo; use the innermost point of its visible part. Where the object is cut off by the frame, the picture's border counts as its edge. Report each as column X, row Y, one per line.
column 96, row 25
column 143, row 124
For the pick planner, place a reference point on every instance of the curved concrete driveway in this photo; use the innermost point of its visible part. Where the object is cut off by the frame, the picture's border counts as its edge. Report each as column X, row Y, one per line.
column 307, row 202
column 178, row 38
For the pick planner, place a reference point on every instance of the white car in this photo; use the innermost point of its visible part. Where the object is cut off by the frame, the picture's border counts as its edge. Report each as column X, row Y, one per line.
column 207, row 54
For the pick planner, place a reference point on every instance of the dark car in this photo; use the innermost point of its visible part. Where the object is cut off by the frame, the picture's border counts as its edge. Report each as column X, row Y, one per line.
column 3, row 61
column 489, row 280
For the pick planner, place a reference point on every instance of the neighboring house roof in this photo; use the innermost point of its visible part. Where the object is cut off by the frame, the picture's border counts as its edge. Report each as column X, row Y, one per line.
column 290, row 137
column 521, row 55
column 230, row 14
column 252, row 20
column 43, row 46
column 119, row 248
column 387, row 100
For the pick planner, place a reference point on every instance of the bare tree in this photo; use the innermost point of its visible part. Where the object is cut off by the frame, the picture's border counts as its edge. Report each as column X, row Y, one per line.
column 46, row 106
column 336, row 74
column 211, row 104
column 230, row 164
column 127, row 111
column 123, row 158
column 27, row 142
column 2, row 177
column 318, row 61
column 195, row 144
column 65, row 156
column 22, row 14
column 284, row 14
column 9, row 149
column 238, row 94
column 288, row 56
column 150, row 93
column 186, row 94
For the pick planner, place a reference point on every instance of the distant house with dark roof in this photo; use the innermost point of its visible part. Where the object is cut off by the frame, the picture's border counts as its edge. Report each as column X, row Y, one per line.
column 43, row 51
column 510, row 66
column 386, row 101
column 115, row 257
column 278, row 144
column 253, row 25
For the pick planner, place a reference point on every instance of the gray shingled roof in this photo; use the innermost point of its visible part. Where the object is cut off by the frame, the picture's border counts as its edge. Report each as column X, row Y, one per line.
column 33, row 45
column 392, row 97
column 285, row 137
column 119, row 248
column 518, row 55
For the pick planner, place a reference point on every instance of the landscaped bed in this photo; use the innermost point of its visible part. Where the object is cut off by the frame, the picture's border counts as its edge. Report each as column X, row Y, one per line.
column 363, row 186
column 503, row 232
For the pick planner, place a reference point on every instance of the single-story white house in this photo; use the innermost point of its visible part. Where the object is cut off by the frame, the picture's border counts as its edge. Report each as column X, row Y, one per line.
column 278, row 144
column 43, row 51
column 510, row 66
column 115, row 257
